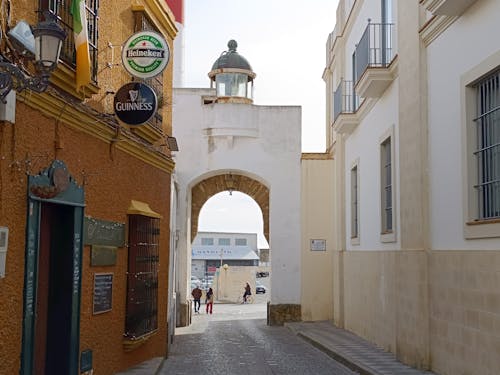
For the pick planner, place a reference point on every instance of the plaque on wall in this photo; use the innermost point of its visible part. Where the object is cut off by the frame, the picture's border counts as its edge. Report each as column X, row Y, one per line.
column 318, row 245
column 103, row 255
column 103, row 292
column 103, row 232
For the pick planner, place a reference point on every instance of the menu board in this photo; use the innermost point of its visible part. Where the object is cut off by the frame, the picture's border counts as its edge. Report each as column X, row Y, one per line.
column 103, row 292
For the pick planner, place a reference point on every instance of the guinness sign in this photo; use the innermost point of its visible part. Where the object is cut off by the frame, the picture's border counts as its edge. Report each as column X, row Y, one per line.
column 135, row 103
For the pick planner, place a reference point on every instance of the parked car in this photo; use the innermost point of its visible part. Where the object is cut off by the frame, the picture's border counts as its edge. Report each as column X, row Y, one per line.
column 259, row 288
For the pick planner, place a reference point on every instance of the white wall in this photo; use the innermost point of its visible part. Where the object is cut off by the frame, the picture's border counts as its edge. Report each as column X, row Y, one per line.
column 447, row 62
column 363, row 145
column 261, row 142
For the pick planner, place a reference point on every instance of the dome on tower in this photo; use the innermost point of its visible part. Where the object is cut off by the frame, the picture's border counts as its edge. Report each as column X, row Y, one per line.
column 231, row 59
column 233, row 76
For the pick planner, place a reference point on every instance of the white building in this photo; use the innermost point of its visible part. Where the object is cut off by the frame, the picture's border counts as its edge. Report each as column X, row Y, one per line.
column 413, row 152
column 228, row 143
column 211, row 250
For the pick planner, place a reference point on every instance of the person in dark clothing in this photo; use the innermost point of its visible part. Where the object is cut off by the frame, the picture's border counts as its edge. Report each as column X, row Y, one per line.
column 248, row 292
column 196, row 293
column 210, row 300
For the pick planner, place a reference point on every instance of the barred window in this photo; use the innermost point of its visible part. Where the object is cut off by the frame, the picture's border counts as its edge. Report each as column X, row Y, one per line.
column 62, row 10
column 386, row 185
column 207, row 241
column 354, row 202
column 224, row 241
column 240, row 242
column 487, row 151
column 142, row 276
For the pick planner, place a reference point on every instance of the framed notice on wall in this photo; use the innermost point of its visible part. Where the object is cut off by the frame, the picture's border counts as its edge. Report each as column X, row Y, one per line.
column 318, row 245
column 103, row 292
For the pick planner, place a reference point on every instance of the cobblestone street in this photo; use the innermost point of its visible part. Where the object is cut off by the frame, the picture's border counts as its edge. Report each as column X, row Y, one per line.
column 236, row 340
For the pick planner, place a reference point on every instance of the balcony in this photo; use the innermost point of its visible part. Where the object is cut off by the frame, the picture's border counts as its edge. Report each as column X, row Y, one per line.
column 447, row 7
column 374, row 57
column 345, row 99
column 345, row 105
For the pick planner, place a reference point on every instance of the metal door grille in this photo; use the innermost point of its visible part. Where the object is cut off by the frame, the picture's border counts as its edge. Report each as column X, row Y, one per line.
column 142, row 280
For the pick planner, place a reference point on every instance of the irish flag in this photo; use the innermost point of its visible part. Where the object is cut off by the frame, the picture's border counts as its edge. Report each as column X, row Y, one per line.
column 81, row 43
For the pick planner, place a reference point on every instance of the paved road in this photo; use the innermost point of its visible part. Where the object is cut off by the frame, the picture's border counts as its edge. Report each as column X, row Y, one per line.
column 235, row 340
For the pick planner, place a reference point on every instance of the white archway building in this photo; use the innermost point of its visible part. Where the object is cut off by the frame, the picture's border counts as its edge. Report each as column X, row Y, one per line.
column 220, row 131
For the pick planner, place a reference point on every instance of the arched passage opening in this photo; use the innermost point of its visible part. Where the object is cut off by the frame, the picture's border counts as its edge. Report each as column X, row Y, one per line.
column 229, row 181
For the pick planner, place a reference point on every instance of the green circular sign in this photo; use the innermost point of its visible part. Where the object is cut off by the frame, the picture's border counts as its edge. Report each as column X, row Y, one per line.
column 145, row 54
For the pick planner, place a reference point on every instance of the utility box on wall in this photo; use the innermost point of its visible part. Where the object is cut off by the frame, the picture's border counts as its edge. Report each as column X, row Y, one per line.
column 4, row 242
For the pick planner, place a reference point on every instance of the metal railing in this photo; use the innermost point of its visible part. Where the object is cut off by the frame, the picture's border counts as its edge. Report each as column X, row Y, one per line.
column 375, row 49
column 345, row 99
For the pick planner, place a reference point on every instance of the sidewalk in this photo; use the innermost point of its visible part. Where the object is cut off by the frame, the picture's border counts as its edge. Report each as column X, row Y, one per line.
column 352, row 351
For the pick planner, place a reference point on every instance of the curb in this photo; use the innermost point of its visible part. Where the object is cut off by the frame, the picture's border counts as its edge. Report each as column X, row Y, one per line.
column 345, row 360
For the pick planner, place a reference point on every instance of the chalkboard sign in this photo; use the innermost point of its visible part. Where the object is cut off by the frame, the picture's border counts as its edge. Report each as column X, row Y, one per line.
column 103, row 292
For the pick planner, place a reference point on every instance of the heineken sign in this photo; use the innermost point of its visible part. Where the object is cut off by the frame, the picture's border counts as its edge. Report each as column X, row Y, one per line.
column 145, row 54
column 135, row 103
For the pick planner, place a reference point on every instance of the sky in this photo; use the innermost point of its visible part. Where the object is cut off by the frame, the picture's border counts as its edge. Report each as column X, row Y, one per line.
column 284, row 42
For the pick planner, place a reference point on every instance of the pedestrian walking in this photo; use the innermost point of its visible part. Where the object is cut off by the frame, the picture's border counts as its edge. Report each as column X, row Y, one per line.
column 248, row 292
column 197, row 293
column 210, row 300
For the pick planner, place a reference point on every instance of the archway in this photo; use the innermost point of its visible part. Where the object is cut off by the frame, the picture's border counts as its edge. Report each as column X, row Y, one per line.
column 229, row 181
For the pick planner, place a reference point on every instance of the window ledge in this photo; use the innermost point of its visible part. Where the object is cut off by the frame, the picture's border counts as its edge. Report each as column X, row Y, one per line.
column 387, row 237
column 482, row 229
column 130, row 344
column 64, row 77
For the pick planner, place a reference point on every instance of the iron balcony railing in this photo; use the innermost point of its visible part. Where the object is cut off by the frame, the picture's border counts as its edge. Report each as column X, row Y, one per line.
column 345, row 99
column 375, row 49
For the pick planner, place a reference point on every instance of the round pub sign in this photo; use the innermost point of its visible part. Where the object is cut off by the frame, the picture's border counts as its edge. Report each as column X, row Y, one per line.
column 135, row 103
column 145, row 54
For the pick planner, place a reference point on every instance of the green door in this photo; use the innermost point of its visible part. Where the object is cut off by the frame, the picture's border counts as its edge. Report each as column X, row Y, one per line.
column 52, row 280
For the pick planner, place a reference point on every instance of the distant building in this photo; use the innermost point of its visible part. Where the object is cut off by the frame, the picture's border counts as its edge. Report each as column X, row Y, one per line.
column 211, row 250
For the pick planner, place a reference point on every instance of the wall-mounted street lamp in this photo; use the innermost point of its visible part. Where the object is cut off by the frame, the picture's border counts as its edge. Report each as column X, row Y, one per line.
column 230, row 183
column 48, row 37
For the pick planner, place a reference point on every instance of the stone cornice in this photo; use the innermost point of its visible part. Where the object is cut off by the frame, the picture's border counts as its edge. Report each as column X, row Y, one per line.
column 435, row 27
column 92, row 124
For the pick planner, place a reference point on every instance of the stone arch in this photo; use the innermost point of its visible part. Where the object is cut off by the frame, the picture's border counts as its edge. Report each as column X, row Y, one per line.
column 210, row 186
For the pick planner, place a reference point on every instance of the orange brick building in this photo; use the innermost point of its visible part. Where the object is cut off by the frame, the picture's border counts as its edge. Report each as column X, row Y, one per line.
column 85, row 207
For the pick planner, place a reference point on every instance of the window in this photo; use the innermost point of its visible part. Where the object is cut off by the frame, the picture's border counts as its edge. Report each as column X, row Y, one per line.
column 487, row 152
column 241, row 242
column 61, row 9
column 207, row 241
column 386, row 186
column 224, row 241
column 142, row 281
column 354, row 203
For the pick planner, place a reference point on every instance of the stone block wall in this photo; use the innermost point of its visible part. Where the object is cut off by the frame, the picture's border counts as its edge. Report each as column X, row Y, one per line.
column 465, row 312
column 279, row 314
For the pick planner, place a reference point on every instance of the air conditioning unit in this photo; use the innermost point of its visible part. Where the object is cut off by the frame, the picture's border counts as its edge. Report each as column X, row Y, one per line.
column 4, row 243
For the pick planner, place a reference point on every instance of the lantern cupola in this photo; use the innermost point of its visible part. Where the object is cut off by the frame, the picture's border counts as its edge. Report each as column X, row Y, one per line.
column 233, row 76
